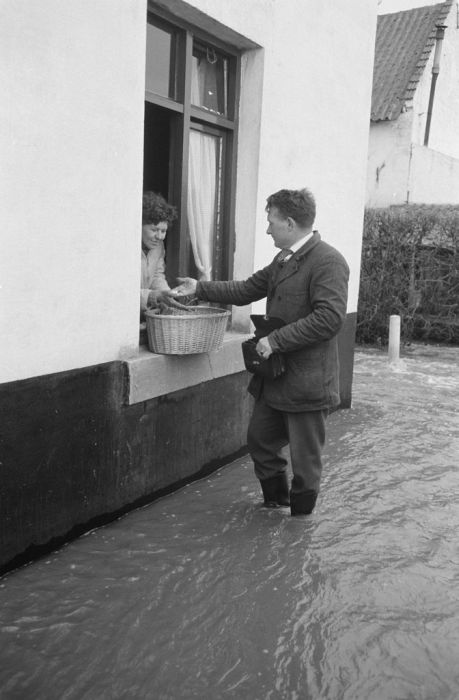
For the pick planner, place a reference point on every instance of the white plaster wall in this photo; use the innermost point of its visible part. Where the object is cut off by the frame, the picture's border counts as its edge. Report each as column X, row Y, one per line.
column 71, row 132
column 434, row 177
column 398, row 171
column 444, row 132
column 71, row 139
column 389, row 161
column 400, row 168
column 315, row 106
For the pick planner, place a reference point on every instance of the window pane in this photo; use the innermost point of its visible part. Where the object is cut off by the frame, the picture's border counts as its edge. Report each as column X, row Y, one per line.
column 204, row 198
column 160, row 69
column 156, row 149
column 209, row 80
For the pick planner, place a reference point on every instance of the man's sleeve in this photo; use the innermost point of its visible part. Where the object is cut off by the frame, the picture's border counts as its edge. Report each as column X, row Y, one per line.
column 236, row 292
column 328, row 290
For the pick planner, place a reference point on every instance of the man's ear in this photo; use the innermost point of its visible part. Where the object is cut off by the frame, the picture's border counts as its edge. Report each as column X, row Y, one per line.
column 291, row 223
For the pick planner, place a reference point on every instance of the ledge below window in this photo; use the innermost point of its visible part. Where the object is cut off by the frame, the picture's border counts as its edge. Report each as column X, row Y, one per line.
column 152, row 375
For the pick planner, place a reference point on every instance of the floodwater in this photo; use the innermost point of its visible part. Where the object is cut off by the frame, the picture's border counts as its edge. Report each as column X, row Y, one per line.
column 205, row 594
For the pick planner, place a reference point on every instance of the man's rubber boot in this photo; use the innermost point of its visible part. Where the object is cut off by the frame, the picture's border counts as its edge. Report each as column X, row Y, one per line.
column 302, row 503
column 275, row 491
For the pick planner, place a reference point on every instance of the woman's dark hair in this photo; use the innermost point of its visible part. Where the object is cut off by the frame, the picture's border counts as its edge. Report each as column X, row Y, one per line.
column 300, row 205
column 155, row 209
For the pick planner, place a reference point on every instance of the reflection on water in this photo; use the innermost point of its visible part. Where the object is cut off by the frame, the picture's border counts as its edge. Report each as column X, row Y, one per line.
column 204, row 594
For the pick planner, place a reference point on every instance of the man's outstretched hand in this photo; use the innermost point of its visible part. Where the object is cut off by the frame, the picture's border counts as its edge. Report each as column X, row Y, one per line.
column 186, row 287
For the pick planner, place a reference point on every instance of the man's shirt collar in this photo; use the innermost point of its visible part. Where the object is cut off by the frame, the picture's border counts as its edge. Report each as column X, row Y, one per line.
column 296, row 246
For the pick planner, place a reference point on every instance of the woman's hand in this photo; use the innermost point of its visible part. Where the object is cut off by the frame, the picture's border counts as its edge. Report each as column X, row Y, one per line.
column 163, row 299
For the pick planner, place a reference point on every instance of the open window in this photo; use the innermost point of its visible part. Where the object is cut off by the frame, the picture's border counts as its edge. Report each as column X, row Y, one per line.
column 189, row 144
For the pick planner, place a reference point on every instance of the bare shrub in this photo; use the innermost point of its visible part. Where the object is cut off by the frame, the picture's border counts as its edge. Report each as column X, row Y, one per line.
column 410, row 267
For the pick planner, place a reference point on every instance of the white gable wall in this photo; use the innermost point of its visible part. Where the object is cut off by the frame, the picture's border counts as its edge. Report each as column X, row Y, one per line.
column 400, row 168
column 444, row 134
column 389, row 161
column 434, row 170
column 434, row 177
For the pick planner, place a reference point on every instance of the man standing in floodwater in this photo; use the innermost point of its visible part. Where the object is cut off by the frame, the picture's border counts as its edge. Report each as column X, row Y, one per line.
column 306, row 295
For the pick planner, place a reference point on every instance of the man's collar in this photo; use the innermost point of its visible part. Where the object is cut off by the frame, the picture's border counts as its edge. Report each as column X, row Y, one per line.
column 299, row 244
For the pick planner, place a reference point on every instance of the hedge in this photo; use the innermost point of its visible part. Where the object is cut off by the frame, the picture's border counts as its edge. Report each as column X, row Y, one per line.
column 410, row 267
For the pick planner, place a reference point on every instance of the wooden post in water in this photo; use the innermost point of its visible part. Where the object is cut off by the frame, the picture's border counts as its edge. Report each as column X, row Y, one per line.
column 394, row 338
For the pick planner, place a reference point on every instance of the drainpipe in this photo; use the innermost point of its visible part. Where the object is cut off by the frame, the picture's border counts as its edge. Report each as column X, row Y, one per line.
column 435, row 71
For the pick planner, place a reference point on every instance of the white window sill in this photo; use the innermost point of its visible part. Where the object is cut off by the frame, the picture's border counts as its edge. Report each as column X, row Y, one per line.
column 152, row 375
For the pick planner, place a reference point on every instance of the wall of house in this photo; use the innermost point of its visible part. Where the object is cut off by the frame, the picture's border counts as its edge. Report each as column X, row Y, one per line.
column 434, row 170
column 74, row 455
column 400, row 171
column 443, row 135
column 94, row 425
column 299, row 142
column 70, row 215
column 389, row 161
column 400, row 168
column 434, row 177
column 66, row 128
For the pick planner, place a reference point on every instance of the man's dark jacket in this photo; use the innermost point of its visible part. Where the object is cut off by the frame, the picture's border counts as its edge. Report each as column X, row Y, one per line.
column 309, row 293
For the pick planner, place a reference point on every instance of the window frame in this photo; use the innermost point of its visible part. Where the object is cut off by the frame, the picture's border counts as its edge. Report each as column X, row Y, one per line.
column 185, row 117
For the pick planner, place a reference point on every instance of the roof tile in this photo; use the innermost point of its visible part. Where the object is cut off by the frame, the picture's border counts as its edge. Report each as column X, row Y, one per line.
column 404, row 41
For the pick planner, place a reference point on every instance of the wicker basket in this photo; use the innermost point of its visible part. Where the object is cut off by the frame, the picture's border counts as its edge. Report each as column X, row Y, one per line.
column 180, row 332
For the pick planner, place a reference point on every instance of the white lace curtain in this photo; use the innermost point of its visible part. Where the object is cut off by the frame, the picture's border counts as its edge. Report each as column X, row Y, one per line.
column 202, row 200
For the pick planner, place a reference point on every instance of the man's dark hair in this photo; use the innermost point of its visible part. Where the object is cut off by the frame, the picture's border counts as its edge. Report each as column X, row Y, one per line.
column 155, row 209
column 300, row 205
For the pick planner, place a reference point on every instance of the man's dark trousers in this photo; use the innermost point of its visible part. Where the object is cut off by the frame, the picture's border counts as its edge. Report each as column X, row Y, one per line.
column 271, row 430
